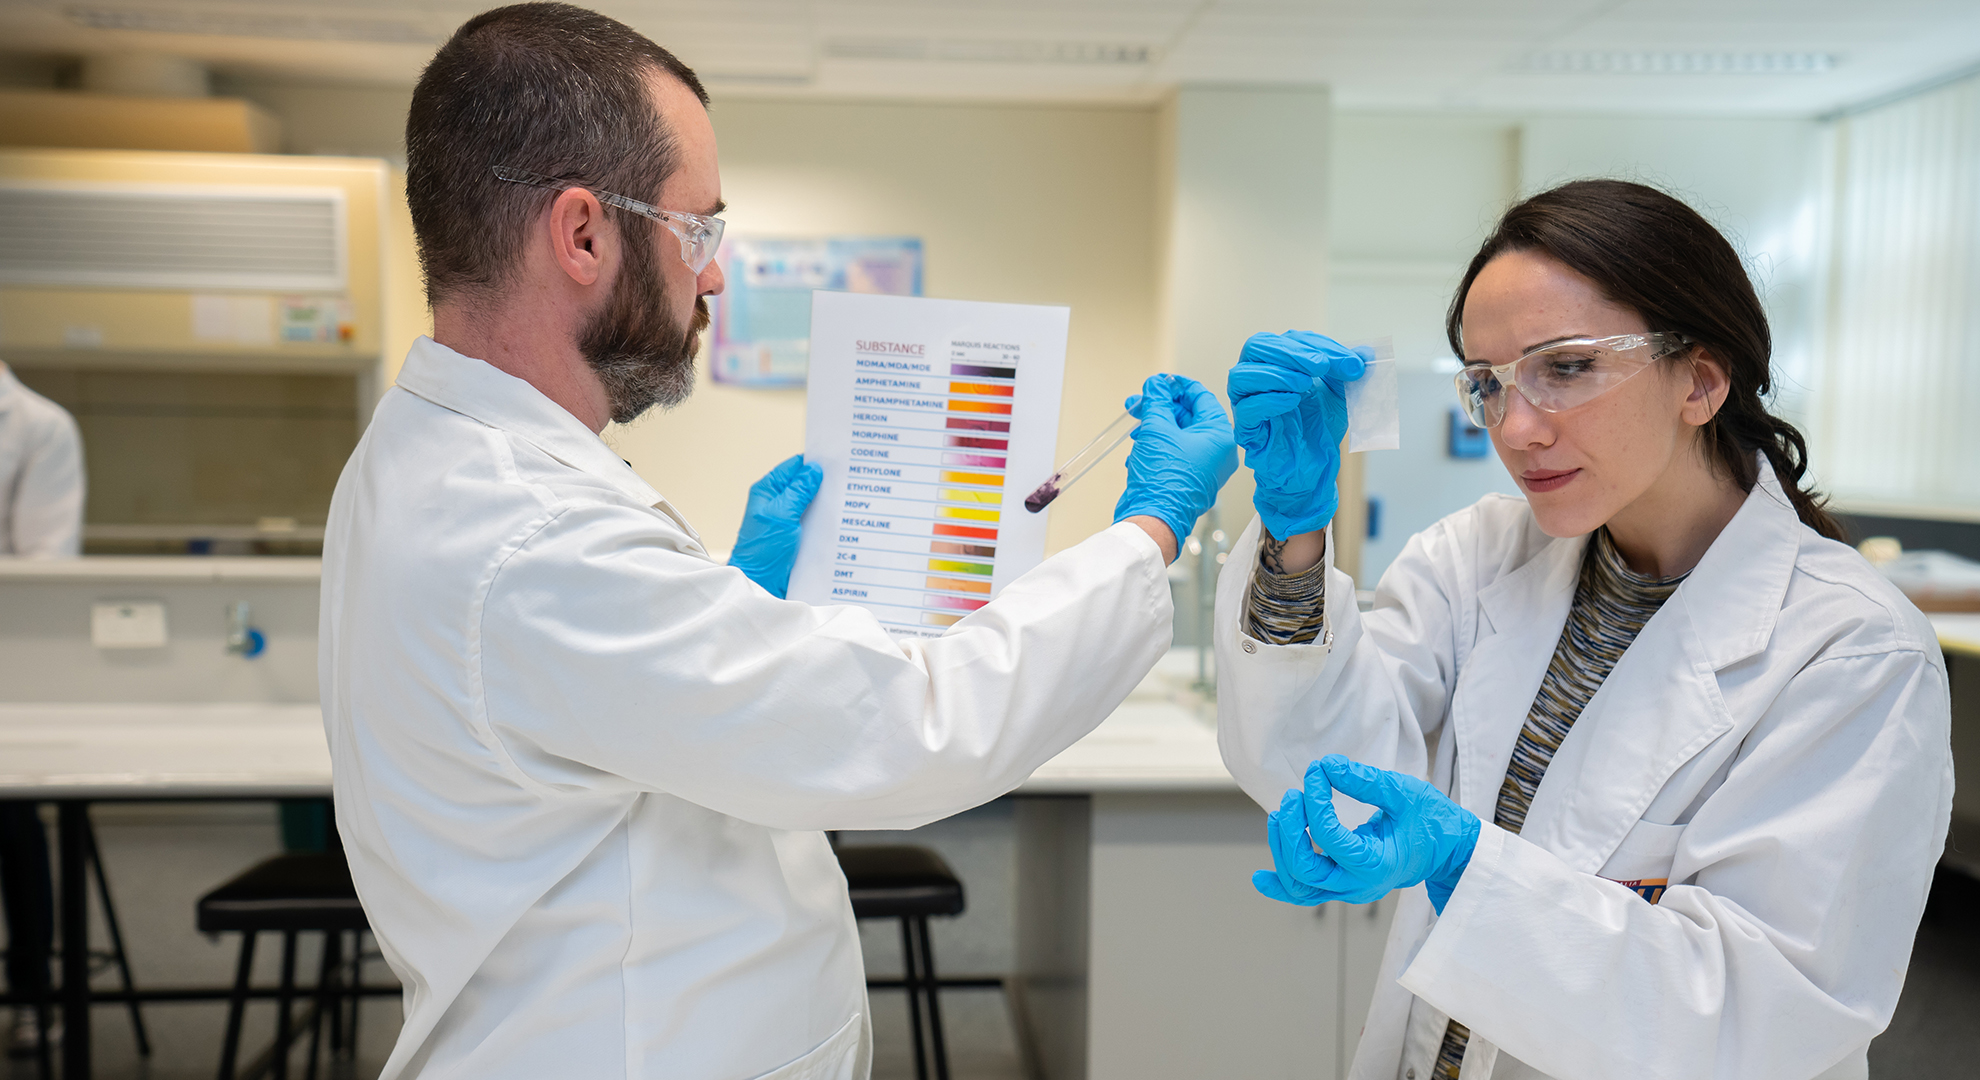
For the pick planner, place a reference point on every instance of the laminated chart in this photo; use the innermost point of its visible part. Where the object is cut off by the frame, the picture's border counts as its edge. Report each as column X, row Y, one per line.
column 918, row 411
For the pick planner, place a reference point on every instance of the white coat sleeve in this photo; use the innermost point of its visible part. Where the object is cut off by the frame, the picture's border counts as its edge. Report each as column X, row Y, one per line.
column 47, row 512
column 1783, row 941
column 1374, row 687
column 610, row 662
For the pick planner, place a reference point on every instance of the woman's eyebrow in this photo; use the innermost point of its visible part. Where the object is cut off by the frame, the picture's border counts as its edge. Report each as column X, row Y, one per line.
column 1470, row 360
column 1553, row 341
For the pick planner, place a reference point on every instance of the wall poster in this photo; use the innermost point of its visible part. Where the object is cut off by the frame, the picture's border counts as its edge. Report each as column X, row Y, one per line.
column 762, row 320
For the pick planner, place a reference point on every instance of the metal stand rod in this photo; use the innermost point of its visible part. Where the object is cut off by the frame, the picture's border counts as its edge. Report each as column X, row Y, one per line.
column 72, row 825
column 117, row 945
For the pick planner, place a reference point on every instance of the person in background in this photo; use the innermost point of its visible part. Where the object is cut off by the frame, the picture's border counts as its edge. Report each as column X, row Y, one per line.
column 1663, row 766
column 583, row 771
column 41, row 512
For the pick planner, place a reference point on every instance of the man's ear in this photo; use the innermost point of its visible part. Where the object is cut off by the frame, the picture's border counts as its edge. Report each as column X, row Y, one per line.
column 580, row 240
column 1709, row 387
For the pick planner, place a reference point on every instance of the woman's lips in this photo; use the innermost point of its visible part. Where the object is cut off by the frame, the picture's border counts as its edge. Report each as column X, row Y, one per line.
column 1547, row 479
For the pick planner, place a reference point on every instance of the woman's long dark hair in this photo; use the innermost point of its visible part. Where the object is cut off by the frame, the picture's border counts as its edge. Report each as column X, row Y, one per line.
column 1650, row 252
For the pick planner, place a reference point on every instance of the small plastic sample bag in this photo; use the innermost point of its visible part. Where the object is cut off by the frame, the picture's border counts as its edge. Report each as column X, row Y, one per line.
column 1374, row 412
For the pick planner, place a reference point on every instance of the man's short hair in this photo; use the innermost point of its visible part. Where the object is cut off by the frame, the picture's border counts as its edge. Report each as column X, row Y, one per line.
column 549, row 88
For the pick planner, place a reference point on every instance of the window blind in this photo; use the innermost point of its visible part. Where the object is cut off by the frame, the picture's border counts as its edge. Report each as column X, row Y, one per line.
column 1898, row 410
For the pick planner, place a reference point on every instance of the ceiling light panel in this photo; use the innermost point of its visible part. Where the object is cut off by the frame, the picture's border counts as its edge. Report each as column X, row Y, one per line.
column 291, row 25
column 1679, row 63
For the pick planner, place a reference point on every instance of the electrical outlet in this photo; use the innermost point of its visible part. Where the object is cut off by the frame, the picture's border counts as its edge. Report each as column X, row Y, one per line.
column 127, row 625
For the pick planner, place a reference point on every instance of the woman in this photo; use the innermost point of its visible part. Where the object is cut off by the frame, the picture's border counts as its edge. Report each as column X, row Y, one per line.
column 1671, row 762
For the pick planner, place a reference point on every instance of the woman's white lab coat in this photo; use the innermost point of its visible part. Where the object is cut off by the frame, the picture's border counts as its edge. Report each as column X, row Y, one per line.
column 1775, row 743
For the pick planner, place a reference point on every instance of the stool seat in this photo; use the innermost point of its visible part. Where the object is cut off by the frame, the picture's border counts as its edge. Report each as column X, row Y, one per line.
column 309, row 891
column 890, row 881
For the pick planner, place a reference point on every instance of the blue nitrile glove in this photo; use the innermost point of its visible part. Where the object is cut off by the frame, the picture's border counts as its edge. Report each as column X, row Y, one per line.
column 1182, row 453
column 767, row 543
column 1417, row 834
column 1291, row 426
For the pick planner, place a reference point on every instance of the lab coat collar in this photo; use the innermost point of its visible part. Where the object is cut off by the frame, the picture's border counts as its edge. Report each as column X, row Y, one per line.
column 1734, row 594
column 10, row 389
column 480, row 390
column 1741, row 580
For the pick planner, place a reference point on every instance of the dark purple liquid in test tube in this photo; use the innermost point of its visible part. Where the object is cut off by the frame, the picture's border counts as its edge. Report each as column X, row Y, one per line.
column 1043, row 496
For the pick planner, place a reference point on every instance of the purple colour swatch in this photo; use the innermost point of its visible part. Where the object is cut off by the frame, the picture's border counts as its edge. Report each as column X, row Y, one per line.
column 983, row 372
column 978, row 461
column 963, row 423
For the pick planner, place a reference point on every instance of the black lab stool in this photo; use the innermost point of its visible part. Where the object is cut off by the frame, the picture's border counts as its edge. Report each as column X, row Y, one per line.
column 911, row 884
column 290, row 895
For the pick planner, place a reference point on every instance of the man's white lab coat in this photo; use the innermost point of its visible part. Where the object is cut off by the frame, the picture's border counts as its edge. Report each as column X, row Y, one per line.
column 1775, row 743
column 581, row 769
column 41, row 474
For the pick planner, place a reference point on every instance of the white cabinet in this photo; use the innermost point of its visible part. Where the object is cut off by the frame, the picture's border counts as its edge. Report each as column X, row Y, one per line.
column 1144, row 953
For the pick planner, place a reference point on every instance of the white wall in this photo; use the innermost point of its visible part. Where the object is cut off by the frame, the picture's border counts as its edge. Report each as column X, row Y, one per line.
column 1172, row 239
column 1413, row 195
column 1242, row 214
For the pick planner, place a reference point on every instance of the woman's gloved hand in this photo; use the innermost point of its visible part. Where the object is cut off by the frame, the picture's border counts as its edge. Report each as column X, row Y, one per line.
column 1416, row 835
column 1289, row 398
column 1183, row 452
column 767, row 543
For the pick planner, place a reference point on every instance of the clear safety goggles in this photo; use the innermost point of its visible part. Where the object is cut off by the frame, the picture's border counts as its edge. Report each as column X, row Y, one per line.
column 699, row 234
column 1558, row 377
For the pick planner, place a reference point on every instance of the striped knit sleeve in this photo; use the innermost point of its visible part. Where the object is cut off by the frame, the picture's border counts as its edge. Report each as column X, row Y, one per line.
column 1285, row 609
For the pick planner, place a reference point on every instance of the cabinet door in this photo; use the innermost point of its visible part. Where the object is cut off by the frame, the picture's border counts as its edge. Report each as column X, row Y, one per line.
column 1365, row 930
column 1193, row 973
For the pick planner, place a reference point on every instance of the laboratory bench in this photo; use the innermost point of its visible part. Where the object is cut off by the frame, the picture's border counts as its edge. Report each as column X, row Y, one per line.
column 1142, row 949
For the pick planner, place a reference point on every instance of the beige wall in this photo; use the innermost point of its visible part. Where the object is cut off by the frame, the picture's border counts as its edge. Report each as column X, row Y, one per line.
column 1046, row 205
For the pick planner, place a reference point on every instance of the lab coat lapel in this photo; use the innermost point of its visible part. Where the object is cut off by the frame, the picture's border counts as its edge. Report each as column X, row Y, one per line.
column 1661, row 705
column 1525, row 610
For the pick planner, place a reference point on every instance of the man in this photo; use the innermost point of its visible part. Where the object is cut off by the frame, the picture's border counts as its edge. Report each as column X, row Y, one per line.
column 41, row 512
column 581, row 769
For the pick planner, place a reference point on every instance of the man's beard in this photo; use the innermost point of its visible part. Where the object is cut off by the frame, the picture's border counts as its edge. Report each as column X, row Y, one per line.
column 640, row 354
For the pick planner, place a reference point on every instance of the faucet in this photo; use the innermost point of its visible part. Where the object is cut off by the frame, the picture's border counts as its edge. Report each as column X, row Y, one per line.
column 242, row 638
column 1210, row 547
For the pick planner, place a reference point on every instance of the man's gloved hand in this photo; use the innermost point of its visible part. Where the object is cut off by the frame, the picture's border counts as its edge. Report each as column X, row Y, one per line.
column 1417, row 834
column 1183, row 453
column 1291, row 425
column 767, row 543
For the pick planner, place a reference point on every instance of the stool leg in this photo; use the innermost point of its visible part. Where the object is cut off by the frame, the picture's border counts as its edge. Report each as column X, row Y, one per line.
column 336, row 997
column 282, row 1004
column 117, row 943
column 325, row 995
column 933, row 989
column 357, row 990
column 43, row 1011
column 911, row 981
column 230, row 1048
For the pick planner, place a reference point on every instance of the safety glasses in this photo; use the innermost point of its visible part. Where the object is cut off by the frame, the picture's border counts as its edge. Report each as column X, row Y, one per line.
column 1558, row 377
column 699, row 235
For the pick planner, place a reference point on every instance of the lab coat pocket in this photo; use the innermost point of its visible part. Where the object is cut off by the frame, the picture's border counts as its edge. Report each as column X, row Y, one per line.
column 1642, row 862
column 833, row 1059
